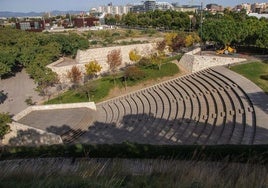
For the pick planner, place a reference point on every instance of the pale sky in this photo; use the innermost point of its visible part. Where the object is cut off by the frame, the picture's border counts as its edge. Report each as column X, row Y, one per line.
column 85, row 5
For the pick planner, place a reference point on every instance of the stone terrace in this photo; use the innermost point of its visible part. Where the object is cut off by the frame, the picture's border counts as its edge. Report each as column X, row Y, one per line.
column 36, row 124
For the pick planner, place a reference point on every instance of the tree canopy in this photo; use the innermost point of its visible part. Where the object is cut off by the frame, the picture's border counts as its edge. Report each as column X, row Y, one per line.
column 34, row 51
column 235, row 28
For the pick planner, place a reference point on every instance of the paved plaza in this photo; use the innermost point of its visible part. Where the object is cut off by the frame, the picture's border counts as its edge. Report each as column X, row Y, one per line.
column 17, row 89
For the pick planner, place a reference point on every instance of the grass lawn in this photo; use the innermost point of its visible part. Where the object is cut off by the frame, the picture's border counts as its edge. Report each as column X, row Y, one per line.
column 254, row 71
column 105, row 84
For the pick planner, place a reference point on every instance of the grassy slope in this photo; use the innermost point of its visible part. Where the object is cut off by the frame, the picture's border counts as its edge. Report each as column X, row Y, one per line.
column 104, row 85
column 254, row 71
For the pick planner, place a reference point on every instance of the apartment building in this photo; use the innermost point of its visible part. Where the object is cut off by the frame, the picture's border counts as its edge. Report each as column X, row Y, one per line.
column 111, row 9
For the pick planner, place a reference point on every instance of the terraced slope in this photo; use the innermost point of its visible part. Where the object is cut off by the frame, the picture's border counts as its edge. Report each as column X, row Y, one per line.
column 213, row 106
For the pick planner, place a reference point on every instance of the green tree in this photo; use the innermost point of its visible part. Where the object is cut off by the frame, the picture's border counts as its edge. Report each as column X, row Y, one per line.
column 7, row 61
column 88, row 88
column 5, row 119
column 262, row 40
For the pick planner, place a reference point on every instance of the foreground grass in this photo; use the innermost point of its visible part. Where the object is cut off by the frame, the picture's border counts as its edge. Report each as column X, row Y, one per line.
column 85, row 172
column 254, row 71
column 105, row 84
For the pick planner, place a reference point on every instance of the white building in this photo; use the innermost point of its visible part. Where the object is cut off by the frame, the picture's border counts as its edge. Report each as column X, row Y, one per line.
column 110, row 9
column 164, row 6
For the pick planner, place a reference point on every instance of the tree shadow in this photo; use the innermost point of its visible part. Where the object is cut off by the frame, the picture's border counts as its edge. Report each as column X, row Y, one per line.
column 31, row 137
column 147, row 129
column 259, row 100
column 3, row 96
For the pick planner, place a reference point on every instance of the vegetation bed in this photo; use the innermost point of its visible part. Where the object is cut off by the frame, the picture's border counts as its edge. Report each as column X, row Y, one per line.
column 105, row 84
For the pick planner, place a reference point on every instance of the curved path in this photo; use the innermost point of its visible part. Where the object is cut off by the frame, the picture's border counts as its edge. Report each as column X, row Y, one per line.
column 213, row 106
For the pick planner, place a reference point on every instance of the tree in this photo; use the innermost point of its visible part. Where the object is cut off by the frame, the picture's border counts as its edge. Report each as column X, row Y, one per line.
column 5, row 119
column 7, row 62
column 178, row 42
column 191, row 39
column 169, row 37
column 134, row 55
column 114, row 60
column 75, row 75
column 160, row 46
column 262, row 40
column 87, row 88
column 157, row 59
column 92, row 68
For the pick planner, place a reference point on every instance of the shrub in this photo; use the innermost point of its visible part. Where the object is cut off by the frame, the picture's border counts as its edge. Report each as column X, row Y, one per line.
column 264, row 77
column 4, row 127
column 134, row 73
column 144, row 61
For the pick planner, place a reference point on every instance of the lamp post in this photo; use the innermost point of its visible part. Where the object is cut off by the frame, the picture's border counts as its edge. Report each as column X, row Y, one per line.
column 201, row 22
column 190, row 16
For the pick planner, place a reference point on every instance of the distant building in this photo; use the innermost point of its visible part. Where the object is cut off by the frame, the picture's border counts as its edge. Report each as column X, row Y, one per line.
column 164, row 6
column 85, row 22
column 186, row 8
column 258, row 15
column 243, row 6
column 214, row 8
column 35, row 26
column 259, row 7
column 151, row 5
column 137, row 8
column 114, row 10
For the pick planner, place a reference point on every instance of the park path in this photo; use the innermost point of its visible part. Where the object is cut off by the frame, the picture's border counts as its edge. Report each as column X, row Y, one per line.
column 18, row 88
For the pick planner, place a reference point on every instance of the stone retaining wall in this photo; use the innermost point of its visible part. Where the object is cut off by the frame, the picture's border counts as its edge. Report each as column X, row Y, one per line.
column 100, row 55
column 193, row 61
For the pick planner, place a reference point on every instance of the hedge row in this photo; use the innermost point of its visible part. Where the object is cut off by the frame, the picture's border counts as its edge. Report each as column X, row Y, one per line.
column 235, row 153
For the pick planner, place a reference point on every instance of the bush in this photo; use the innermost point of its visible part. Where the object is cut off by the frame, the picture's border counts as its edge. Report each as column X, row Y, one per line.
column 228, row 153
column 264, row 77
column 144, row 61
column 4, row 127
column 116, row 34
column 134, row 73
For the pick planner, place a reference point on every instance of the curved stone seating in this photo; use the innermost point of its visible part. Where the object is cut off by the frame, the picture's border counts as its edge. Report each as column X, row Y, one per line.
column 224, row 104
column 246, row 111
column 206, row 107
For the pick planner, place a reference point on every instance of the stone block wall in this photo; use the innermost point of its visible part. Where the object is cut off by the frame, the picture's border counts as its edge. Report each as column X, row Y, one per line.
column 193, row 61
column 100, row 55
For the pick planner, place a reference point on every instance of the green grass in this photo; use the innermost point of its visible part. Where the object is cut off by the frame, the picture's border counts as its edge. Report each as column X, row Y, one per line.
column 254, row 71
column 103, row 87
column 105, row 84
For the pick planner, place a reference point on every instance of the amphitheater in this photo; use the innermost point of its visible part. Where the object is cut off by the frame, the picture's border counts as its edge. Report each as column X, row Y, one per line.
column 212, row 106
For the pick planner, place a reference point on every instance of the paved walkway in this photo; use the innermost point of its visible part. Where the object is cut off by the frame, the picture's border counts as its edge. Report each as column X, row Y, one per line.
column 18, row 88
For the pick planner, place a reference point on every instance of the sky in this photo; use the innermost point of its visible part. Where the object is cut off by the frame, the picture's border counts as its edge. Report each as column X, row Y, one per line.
column 85, row 5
